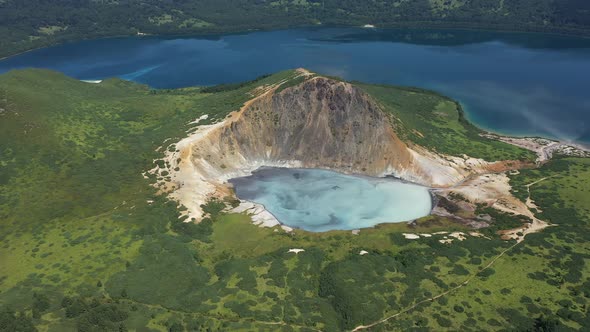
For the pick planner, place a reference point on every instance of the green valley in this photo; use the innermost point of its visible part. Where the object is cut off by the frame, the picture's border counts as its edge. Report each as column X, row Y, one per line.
column 89, row 242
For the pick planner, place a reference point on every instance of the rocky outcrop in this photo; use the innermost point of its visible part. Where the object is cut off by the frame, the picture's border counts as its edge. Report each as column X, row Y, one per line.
column 320, row 123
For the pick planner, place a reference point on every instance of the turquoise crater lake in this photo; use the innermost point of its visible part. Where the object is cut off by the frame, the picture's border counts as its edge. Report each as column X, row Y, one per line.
column 320, row 200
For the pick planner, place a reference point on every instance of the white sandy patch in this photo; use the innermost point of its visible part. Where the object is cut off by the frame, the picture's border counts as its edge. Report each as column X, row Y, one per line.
column 449, row 238
column 196, row 123
column 458, row 235
column 260, row 216
column 411, row 236
column 92, row 81
column 363, row 252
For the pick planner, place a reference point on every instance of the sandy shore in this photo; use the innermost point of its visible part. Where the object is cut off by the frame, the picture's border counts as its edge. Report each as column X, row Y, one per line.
column 543, row 147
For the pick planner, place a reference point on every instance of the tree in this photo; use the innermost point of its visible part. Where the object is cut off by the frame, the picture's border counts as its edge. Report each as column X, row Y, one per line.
column 176, row 327
column 544, row 324
column 18, row 322
column 40, row 304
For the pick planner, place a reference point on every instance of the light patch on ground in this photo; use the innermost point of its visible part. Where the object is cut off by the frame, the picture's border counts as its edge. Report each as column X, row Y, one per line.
column 444, row 171
column 411, row 236
column 51, row 29
column 162, row 19
column 494, row 190
column 444, row 5
column 544, row 148
column 260, row 216
column 460, row 236
column 447, row 238
column 194, row 23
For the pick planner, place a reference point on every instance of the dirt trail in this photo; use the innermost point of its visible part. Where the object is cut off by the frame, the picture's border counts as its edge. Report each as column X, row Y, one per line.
column 218, row 317
column 430, row 299
column 536, row 226
column 494, row 190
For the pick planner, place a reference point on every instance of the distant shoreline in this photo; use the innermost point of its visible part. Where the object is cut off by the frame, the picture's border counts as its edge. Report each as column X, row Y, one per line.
column 459, row 26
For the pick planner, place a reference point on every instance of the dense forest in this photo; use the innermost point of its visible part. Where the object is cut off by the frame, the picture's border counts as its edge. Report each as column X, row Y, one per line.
column 27, row 24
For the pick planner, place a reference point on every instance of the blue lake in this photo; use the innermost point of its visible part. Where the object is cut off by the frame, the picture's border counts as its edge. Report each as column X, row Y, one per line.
column 319, row 200
column 520, row 84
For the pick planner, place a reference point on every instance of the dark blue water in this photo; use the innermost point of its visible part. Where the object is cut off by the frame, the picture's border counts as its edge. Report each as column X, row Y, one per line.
column 520, row 84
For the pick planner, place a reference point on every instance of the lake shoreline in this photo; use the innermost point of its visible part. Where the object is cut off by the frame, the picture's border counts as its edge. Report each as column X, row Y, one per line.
column 417, row 25
column 209, row 59
column 264, row 175
column 545, row 148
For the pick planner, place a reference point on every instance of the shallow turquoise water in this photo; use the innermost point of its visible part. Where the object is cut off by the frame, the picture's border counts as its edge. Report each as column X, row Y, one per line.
column 513, row 83
column 320, row 200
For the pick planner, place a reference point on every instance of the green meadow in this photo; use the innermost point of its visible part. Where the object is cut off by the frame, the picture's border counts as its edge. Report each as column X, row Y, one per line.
column 438, row 123
column 87, row 244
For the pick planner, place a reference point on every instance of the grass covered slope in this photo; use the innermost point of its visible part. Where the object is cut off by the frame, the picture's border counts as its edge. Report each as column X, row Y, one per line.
column 543, row 284
column 438, row 124
column 73, row 203
column 87, row 244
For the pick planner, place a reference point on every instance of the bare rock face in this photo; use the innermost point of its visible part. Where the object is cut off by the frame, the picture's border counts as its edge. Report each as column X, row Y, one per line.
column 320, row 123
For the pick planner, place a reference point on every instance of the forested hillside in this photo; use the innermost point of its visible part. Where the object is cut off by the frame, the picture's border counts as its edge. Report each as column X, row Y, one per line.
column 26, row 24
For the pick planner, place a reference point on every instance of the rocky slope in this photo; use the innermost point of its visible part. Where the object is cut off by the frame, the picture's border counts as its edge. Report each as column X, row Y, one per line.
column 319, row 123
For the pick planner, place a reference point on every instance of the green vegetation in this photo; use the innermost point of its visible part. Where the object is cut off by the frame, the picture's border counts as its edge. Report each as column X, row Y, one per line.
column 87, row 244
column 438, row 123
column 230, row 86
column 34, row 23
column 541, row 284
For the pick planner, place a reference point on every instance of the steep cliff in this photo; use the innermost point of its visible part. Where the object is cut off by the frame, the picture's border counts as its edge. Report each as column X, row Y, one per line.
column 319, row 123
